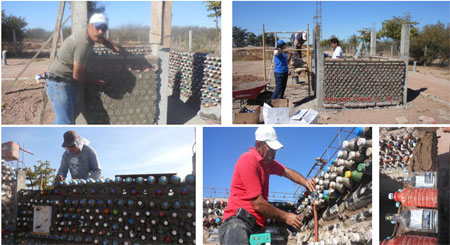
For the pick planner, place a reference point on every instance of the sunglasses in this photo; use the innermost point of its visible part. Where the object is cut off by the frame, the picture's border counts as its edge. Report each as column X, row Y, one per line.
column 103, row 27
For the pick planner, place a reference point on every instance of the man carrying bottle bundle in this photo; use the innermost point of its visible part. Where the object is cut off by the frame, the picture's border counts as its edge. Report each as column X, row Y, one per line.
column 79, row 158
column 248, row 207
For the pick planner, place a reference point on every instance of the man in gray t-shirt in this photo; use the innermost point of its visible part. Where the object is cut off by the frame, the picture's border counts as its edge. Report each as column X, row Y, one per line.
column 68, row 67
column 79, row 158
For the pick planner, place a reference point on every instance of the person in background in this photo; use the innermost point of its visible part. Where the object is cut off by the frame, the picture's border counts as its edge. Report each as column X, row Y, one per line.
column 281, row 70
column 337, row 50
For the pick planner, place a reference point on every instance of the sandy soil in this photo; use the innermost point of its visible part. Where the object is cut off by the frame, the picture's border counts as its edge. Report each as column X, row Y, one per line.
column 428, row 95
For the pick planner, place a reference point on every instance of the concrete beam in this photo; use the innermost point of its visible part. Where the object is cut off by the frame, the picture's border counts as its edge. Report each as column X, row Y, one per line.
column 79, row 15
column 404, row 55
column 373, row 43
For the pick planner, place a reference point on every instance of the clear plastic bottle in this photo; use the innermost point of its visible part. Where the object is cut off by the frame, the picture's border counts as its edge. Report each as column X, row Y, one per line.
column 424, row 220
column 421, row 179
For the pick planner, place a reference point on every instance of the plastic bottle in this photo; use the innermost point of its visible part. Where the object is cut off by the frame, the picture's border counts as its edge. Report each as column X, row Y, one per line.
column 408, row 239
column 416, row 197
column 354, row 175
column 424, row 220
column 421, row 179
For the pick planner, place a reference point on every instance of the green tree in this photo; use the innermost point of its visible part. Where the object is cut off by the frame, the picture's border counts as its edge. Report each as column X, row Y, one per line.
column 252, row 39
column 37, row 33
column 41, row 176
column 432, row 44
column 392, row 28
column 10, row 23
column 327, row 42
column 239, row 36
column 364, row 34
column 216, row 8
column 353, row 40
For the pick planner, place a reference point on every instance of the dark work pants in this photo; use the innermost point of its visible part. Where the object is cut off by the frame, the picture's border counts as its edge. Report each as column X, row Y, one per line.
column 235, row 231
column 280, row 85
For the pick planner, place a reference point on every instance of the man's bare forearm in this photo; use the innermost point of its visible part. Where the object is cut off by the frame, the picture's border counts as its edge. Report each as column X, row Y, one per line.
column 267, row 210
column 295, row 176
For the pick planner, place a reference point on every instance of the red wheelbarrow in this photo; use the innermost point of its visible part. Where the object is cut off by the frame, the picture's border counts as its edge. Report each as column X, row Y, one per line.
column 248, row 90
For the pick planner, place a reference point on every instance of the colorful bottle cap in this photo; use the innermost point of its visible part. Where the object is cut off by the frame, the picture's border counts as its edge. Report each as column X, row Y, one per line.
column 391, row 196
column 348, row 174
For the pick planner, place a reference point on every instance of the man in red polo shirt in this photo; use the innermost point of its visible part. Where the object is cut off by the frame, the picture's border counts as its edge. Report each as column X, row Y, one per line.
column 248, row 207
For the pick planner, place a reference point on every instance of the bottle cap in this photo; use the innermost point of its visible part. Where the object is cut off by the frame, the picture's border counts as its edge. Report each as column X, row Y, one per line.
column 391, row 196
column 397, row 204
column 348, row 174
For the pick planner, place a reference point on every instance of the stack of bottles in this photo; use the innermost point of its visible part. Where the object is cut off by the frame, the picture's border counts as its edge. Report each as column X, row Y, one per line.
column 212, row 212
column 135, row 50
column 132, row 210
column 196, row 76
column 345, row 185
column 9, row 183
column 396, row 150
column 419, row 201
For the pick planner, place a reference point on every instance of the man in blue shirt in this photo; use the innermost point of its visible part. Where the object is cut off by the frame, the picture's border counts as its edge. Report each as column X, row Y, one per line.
column 281, row 59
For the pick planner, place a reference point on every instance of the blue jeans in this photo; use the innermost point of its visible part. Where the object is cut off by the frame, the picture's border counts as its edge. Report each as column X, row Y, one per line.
column 236, row 231
column 62, row 96
column 280, row 85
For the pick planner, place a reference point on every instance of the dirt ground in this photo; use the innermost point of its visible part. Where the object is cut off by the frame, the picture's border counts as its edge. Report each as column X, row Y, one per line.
column 428, row 95
column 21, row 101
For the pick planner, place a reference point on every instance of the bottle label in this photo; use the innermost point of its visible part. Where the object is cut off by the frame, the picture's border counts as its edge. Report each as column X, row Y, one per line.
column 429, row 220
column 426, row 181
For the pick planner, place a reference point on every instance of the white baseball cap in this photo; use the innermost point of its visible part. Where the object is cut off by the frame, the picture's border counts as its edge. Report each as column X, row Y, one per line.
column 98, row 19
column 268, row 135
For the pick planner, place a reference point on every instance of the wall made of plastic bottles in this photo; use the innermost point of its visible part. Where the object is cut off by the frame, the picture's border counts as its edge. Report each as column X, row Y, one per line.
column 9, row 185
column 363, row 83
column 131, row 92
column 196, row 76
column 151, row 209
column 417, row 199
column 343, row 197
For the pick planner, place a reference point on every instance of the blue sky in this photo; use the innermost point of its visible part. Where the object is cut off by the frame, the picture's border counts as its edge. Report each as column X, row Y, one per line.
column 223, row 146
column 42, row 14
column 342, row 19
column 121, row 150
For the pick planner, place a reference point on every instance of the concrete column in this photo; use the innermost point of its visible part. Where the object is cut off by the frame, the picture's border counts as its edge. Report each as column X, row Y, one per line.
column 404, row 55
column 318, row 60
column 5, row 62
column 161, row 25
column 373, row 43
column 319, row 77
column 164, row 87
column 79, row 15
column 167, row 24
column 190, row 40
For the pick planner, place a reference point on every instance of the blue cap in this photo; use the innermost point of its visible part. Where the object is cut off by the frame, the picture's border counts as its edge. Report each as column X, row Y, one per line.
column 280, row 43
column 397, row 204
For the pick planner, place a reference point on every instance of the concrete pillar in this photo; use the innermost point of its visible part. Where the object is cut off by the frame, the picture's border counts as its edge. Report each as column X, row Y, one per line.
column 373, row 43
column 319, row 77
column 79, row 15
column 190, row 40
column 404, row 55
column 161, row 25
column 392, row 50
column 164, row 87
column 5, row 62
column 318, row 60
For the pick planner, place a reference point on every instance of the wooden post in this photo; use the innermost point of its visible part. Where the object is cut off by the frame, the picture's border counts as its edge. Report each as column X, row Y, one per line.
column 14, row 42
column 264, row 53
column 56, row 33
column 308, row 61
